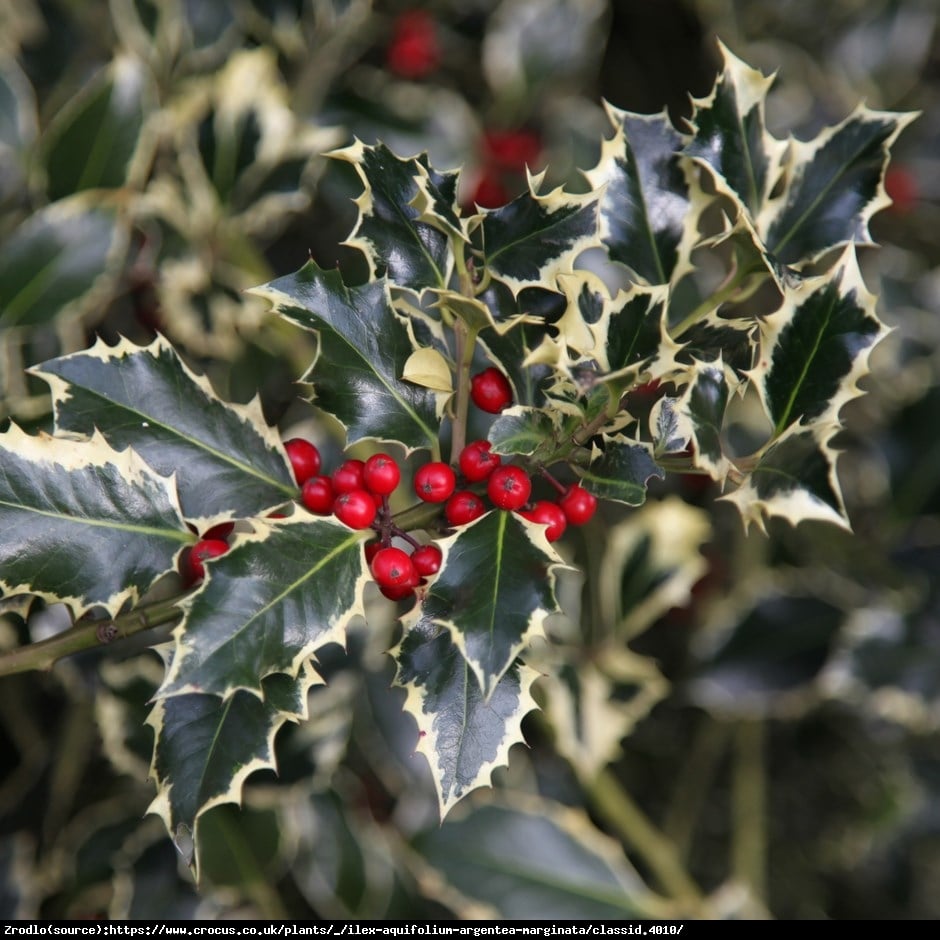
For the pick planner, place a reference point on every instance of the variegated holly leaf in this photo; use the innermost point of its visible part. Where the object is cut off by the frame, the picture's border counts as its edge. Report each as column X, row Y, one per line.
column 436, row 201
column 651, row 562
column 794, row 479
column 364, row 345
column 396, row 242
column 513, row 353
column 534, row 238
column 703, row 405
column 730, row 137
column 593, row 705
column 205, row 747
column 493, row 592
column 91, row 142
column 463, row 735
column 715, row 336
column 268, row 605
column 534, row 859
column 522, row 430
column 833, row 186
column 82, row 523
column 226, row 458
column 647, row 218
column 670, row 429
column 620, row 471
column 816, row 347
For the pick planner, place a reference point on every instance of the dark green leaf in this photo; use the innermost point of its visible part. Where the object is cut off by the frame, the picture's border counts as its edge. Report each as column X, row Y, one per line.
column 409, row 252
column 635, row 337
column 364, row 345
column 646, row 218
column 833, row 187
column 82, row 523
column 225, row 457
column 464, row 736
column 493, row 592
column 91, row 142
column 533, row 861
column 54, row 258
column 815, row 348
column 523, row 430
column 714, row 336
column 205, row 746
column 621, row 471
column 436, row 200
column 534, row 238
column 268, row 605
column 731, row 139
column 703, row 404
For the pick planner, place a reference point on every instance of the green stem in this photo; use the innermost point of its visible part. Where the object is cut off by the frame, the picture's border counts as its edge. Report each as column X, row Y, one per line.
column 749, row 849
column 724, row 293
column 85, row 635
column 616, row 806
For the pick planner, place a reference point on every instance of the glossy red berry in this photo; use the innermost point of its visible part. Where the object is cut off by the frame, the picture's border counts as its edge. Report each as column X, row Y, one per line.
column 381, row 474
column 414, row 50
column 434, row 482
column 193, row 562
column 509, row 487
column 477, row 461
column 551, row 515
column 348, row 476
column 392, row 567
column 463, row 507
column 399, row 591
column 304, row 459
column 427, row 560
column 221, row 531
column 318, row 496
column 491, row 391
column 578, row 505
column 356, row 508
column 371, row 549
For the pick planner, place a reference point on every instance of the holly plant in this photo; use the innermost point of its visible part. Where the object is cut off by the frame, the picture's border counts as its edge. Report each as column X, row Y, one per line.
column 512, row 379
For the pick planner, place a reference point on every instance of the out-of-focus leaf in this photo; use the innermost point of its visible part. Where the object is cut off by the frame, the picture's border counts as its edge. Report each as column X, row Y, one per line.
column 225, row 457
column 534, row 860
column 397, row 243
column 67, row 505
column 18, row 125
column 90, row 144
column 463, row 736
column 364, row 345
column 493, row 592
column 647, row 222
column 267, row 605
column 621, row 471
column 521, row 430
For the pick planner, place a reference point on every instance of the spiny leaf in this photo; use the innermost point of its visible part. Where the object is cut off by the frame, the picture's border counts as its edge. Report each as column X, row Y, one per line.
column 463, row 736
column 226, row 458
column 714, row 336
column 533, row 859
column 794, row 479
column 397, row 244
column 205, row 747
column 620, row 471
column 364, row 345
column 268, row 605
column 730, row 137
column 815, row 348
column 670, row 429
column 83, row 524
column 703, row 404
column 646, row 218
column 534, row 238
column 493, row 592
column 522, row 430
column 436, row 200
column 834, row 185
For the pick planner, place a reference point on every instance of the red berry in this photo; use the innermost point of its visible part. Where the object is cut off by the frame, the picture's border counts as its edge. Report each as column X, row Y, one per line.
column 221, row 531
column 578, row 505
column 392, row 567
column 304, row 459
column 901, row 186
column 371, row 549
column 381, row 474
column 551, row 515
column 489, row 192
column 356, row 508
column 491, row 391
column 463, row 507
column 512, row 149
column 348, row 476
column 427, row 560
column 318, row 496
column 414, row 51
column 477, row 461
column 400, row 590
column 192, row 564
column 434, row 482
column 509, row 487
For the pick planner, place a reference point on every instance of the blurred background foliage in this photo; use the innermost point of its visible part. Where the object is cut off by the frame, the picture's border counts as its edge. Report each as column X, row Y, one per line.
column 770, row 703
